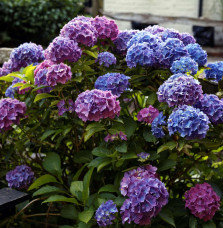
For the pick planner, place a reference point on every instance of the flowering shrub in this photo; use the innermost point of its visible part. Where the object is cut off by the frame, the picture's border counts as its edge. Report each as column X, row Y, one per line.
column 115, row 127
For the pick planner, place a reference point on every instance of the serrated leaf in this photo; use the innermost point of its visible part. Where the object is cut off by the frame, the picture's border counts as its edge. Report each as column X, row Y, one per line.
column 167, row 146
column 108, row 188
column 52, row 164
column 46, row 190
column 45, row 179
column 85, row 216
column 42, row 96
column 167, row 216
column 60, row 198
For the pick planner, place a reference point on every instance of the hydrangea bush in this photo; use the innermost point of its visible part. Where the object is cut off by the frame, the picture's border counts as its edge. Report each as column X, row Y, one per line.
column 109, row 128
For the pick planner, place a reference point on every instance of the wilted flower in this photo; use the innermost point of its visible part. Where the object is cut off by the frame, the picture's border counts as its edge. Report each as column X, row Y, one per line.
column 180, row 89
column 115, row 82
column 157, row 126
column 20, row 177
column 119, row 135
column 105, row 213
column 202, row 201
column 147, row 115
column 62, row 49
column 189, row 122
column 96, row 104
column 215, row 72
column 106, row 59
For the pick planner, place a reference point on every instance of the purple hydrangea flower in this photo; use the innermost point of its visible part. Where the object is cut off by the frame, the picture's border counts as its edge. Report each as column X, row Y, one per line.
column 171, row 50
column 147, row 115
column 106, row 58
column 184, row 65
column 105, row 213
column 140, row 54
column 58, row 73
column 157, row 126
column 62, row 49
column 6, row 68
column 82, row 18
column 64, row 107
column 202, row 201
column 25, row 55
column 186, row 38
column 180, row 89
column 40, row 76
column 122, row 40
column 170, row 33
column 115, row 82
column 106, row 28
column 189, row 122
column 212, row 106
column 80, row 32
column 143, row 156
column 197, row 53
column 155, row 29
column 216, row 71
column 20, row 177
column 10, row 91
column 119, row 135
column 11, row 111
column 96, row 104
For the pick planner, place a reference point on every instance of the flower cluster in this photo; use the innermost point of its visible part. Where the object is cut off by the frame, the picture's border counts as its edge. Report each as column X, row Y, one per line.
column 212, row 106
column 155, row 30
column 105, row 213
column 96, row 104
column 202, row 201
column 6, row 68
column 106, row 29
column 186, row 38
column 189, row 122
column 10, row 92
column 197, row 53
column 25, row 55
column 147, row 115
column 122, row 39
column 170, row 33
column 184, row 65
column 62, row 49
column 143, row 156
column 106, row 59
column 157, row 126
column 20, row 177
column 64, row 107
column 215, row 72
column 11, row 111
column 115, row 82
column 119, row 135
column 180, row 89
column 18, row 80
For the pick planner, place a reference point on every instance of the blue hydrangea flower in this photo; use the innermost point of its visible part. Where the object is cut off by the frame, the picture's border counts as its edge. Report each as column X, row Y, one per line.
column 10, row 91
column 189, row 122
column 115, row 82
column 143, row 156
column 197, row 53
column 106, row 58
column 171, row 50
column 105, row 213
column 212, row 106
column 180, row 89
column 170, row 33
column 158, row 122
column 140, row 54
column 20, row 177
column 216, row 71
column 122, row 40
column 186, row 38
column 184, row 65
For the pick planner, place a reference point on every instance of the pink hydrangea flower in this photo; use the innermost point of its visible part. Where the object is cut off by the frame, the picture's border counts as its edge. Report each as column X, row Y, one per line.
column 147, row 115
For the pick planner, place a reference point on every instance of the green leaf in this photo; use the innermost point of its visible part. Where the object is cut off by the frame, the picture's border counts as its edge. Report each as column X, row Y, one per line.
column 167, row 146
column 122, row 148
column 47, row 178
column 92, row 54
column 86, row 184
column 209, row 224
column 76, row 186
column 69, row 211
column 52, row 164
column 149, row 137
column 167, row 164
column 108, row 188
column 166, row 215
column 97, row 161
column 85, row 216
column 7, row 78
column 46, row 134
column 66, row 226
column 42, row 96
column 101, row 151
column 60, row 198
column 130, row 126
column 29, row 73
column 25, row 86
column 46, row 190
column 91, row 129
column 103, row 164
column 152, row 98
column 18, row 84
column 192, row 222
column 78, row 173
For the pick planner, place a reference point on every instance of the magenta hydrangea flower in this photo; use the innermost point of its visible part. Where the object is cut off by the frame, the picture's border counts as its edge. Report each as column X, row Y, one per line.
column 106, row 28
column 82, row 18
column 58, row 73
column 25, row 55
column 187, row 38
column 202, row 201
column 147, row 115
column 81, row 32
column 119, row 135
column 20, row 178
column 94, row 105
column 61, row 49
column 180, row 89
column 106, row 58
column 11, row 111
